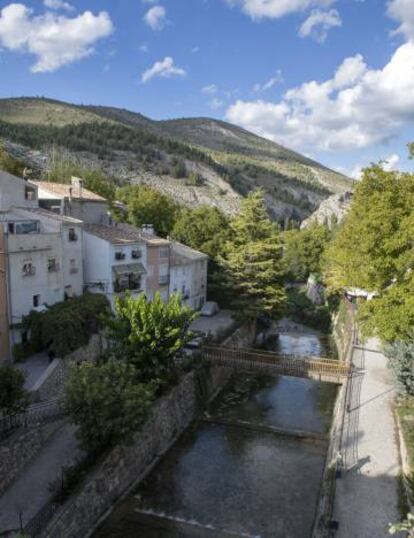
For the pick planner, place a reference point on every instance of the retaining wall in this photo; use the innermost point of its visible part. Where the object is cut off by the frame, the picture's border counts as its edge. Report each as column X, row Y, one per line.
column 51, row 383
column 125, row 466
column 18, row 449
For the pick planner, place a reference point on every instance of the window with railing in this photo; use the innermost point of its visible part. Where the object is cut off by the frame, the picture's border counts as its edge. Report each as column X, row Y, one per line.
column 136, row 254
column 128, row 281
column 120, row 255
column 28, row 269
column 164, row 279
column 52, row 265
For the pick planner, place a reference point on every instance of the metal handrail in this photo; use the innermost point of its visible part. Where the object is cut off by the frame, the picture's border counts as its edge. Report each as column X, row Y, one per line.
column 34, row 414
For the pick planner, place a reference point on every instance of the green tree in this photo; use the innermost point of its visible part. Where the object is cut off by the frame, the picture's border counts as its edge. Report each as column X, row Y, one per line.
column 13, row 397
column 146, row 205
column 373, row 250
column 9, row 163
column 204, row 228
column 401, row 362
column 107, row 403
column 252, row 261
column 148, row 334
column 303, row 250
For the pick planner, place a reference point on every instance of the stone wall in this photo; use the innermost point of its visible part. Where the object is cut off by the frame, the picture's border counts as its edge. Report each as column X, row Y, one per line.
column 50, row 384
column 125, row 466
column 18, row 449
column 344, row 335
column 244, row 336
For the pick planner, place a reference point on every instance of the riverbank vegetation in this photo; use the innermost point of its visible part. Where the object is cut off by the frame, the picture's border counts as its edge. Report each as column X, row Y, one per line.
column 109, row 400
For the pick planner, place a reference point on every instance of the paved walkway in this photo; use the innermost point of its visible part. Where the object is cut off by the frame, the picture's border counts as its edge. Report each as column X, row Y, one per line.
column 33, row 367
column 31, row 490
column 366, row 496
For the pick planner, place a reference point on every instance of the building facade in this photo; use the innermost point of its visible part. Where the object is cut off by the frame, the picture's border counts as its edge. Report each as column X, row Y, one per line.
column 188, row 275
column 115, row 261
column 4, row 311
column 73, row 200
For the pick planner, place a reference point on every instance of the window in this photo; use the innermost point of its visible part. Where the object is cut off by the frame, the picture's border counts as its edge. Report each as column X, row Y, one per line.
column 164, row 252
column 136, row 254
column 28, row 268
column 36, row 301
column 127, row 281
column 72, row 267
column 119, row 255
column 72, row 236
column 29, row 193
column 52, row 265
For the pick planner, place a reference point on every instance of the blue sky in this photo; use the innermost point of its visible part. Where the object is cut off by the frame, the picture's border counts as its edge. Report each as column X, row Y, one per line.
column 333, row 79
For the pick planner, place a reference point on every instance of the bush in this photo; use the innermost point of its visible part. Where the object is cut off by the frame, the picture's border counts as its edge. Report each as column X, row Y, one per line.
column 302, row 310
column 13, row 397
column 401, row 363
column 107, row 403
column 65, row 326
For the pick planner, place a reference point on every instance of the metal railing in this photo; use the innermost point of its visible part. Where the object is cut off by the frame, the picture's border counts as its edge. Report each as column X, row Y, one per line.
column 34, row 414
column 287, row 364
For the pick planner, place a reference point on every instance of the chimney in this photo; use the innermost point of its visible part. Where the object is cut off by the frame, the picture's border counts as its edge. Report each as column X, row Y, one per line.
column 148, row 229
column 77, row 182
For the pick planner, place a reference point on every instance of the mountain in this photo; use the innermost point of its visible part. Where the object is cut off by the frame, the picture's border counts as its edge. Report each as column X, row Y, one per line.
column 196, row 160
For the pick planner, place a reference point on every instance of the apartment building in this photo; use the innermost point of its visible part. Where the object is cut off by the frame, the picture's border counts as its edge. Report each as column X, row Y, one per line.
column 73, row 200
column 188, row 274
column 42, row 253
column 115, row 260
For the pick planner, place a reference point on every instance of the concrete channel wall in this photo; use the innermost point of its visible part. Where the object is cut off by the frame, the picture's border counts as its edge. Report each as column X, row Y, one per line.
column 344, row 336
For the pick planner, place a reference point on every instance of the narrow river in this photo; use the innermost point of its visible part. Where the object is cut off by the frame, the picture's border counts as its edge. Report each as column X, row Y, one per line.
column 252, row 467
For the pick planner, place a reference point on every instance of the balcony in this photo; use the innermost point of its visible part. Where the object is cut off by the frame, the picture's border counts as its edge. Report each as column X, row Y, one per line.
column 130, row 284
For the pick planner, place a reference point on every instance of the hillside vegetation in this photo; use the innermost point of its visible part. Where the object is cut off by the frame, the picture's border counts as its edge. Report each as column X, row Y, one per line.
column 196, row 161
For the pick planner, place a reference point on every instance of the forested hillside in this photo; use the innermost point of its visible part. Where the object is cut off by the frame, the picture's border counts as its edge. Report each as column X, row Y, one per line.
column 196, row 161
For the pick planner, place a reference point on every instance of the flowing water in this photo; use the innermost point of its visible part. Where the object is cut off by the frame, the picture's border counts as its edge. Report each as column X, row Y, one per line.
column 252, row 467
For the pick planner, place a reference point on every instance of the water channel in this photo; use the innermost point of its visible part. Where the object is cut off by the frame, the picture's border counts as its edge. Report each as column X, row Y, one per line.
column 252, row 467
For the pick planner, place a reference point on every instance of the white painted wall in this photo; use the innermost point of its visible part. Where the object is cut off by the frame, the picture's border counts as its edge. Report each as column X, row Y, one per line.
column 12, row 192
column 190, row 279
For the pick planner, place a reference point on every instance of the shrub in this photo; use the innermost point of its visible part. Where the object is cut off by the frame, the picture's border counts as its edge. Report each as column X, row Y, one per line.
column 107, row 403
column 13, row 397
column 302, row 310
column 401, row 363
column 65, row 326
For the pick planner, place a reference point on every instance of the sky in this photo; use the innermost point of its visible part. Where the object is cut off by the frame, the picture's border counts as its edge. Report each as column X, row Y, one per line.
column 332, row 79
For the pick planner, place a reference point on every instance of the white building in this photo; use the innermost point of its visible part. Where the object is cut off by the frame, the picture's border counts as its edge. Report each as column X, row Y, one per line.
column 44, row 260
column 15, row 191
column 73, row 200
column 42, row 252
column 115, row 260
column 188, row 274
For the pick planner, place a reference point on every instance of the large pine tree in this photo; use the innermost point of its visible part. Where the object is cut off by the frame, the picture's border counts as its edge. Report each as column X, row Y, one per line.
column 252, row 261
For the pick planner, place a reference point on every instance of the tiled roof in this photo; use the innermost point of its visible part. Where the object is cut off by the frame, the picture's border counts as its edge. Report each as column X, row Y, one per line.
column 62, row 190
column 152, row 240
column 182, row 255
column 113, row 234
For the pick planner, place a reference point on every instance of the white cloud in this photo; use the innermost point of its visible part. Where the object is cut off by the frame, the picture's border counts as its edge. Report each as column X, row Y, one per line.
column 402, row 11
column 273, row 81
column 211, row 89
column 54, row 40
column 274, row 9
column 58, row 4
column 156, row 17
column 319, row 23
column 164, row 69
column 356, row 108
column 216, row 103
column 391, row 162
